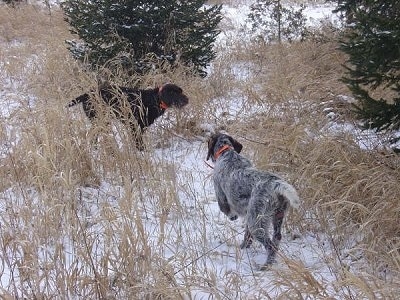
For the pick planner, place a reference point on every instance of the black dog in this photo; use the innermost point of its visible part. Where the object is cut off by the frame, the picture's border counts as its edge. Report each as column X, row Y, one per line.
column 134, row 107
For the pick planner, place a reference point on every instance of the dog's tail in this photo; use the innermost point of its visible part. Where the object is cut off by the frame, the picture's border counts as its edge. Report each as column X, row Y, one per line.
column 288, row 191
column 81, row 98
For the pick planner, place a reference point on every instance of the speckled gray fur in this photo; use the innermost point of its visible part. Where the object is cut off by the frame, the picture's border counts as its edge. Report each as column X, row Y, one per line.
column 261, row 198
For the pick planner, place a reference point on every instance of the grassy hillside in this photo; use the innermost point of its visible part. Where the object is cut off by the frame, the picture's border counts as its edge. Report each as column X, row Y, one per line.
column 104, row 221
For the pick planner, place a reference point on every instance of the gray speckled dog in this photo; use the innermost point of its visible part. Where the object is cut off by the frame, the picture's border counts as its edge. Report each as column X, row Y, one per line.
column 261, row 198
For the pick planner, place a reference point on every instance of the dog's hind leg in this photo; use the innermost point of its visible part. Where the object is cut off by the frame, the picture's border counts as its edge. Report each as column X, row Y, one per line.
column 277, row 221
column 271, row 248
column 248, row 239
column 258, row 228
column 277, row 236
column 262, row 236
column 259, row 218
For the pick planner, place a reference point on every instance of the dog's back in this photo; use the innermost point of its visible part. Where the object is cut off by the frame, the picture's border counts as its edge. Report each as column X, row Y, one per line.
column 108, row 94
column 248, row 184
column 136, row 108
column 113, row 97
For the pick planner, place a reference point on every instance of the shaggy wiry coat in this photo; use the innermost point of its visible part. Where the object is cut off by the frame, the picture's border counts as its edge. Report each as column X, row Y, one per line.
column 134, row 107
column 261, row 198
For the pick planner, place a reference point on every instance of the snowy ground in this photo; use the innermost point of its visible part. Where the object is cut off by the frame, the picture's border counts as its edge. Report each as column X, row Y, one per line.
column 212, row 236
column 219, row 255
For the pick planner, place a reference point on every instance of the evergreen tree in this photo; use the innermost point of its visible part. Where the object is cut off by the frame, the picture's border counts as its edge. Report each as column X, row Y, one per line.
column 372, row 42
column 276, row 21
column 13, row 2
column 347, row 8
column 135, row 30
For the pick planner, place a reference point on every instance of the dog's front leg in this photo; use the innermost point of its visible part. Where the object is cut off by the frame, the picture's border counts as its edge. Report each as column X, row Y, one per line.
column 223, row 203
column 137, row 132
column 224, row 207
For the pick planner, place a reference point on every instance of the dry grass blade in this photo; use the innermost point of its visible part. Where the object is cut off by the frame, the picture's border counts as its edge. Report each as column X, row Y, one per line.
column 101, row 220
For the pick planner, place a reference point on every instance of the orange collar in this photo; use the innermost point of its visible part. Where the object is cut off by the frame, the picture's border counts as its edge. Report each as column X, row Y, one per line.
column 163, row 105
column 221, row 150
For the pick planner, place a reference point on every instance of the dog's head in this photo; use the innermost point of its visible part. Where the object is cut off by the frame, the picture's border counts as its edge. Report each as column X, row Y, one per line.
column 219, row 140
column 172, row 95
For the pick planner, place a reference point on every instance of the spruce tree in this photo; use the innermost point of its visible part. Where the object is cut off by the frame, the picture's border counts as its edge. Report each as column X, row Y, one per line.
column 372, row 43
column 135, row 30
column 13, row 2
column 277, row 21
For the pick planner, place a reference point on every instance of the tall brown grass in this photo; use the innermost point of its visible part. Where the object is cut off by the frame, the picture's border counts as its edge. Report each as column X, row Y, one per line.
column 86, row 220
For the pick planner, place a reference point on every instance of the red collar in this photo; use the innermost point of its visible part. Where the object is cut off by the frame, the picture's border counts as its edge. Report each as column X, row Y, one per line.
column 221, row 150
column 163, row 105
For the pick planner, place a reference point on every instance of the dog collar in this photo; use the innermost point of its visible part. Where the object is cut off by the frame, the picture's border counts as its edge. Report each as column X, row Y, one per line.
column 163, row 105
column 221, row 150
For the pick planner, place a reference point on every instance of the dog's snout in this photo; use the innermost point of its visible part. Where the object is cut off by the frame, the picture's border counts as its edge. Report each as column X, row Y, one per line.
column 233, row 218
column 185, row 100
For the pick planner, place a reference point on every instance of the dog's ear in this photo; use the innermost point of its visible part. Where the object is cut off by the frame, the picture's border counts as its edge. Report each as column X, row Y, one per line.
column 211, row 144
column 236, row 145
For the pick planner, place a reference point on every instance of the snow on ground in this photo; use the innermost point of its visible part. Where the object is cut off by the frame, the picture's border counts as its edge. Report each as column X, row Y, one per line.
column 221, row 248
column 219, row 238
column 215, row 239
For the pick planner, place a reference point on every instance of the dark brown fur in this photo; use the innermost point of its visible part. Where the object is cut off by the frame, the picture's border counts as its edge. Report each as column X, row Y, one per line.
column 138, row 108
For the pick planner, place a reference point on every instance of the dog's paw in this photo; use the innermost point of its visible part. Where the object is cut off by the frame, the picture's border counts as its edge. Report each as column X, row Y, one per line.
column 270, row 261
column 265, row 267
column 270, row 264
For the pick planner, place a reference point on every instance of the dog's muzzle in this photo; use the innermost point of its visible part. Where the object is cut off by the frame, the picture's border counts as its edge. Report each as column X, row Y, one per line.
column 234, row 218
